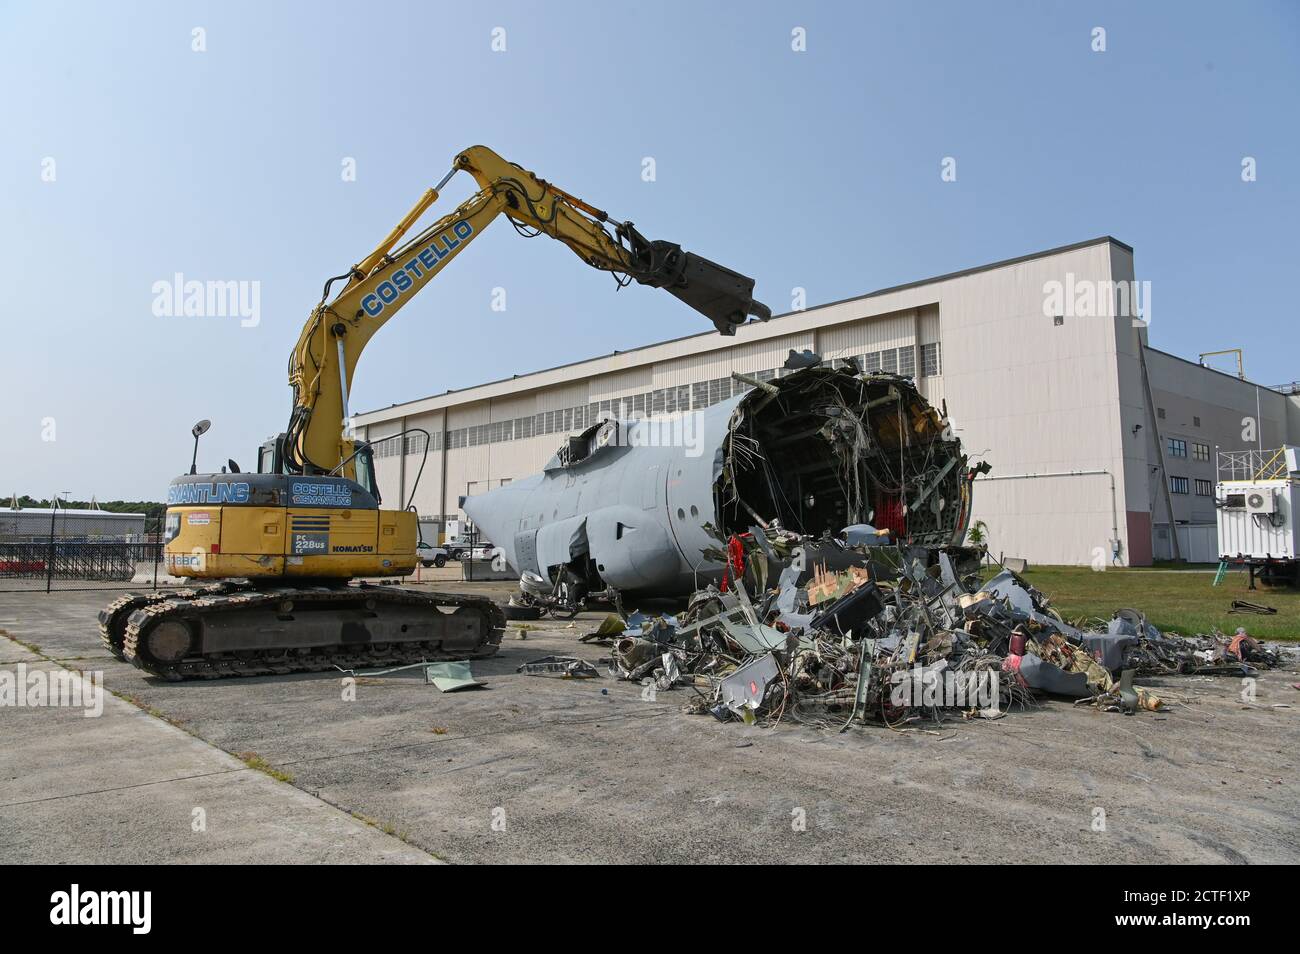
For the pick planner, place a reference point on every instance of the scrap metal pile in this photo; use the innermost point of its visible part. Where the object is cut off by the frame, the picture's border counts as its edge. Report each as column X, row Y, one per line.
column 902, row 634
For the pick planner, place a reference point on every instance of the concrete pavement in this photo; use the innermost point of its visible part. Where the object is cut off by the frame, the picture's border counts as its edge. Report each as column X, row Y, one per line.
column 544, row 769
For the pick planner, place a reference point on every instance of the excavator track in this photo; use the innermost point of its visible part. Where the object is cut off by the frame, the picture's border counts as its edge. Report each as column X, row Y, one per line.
column 241, row 630
column 114, row 616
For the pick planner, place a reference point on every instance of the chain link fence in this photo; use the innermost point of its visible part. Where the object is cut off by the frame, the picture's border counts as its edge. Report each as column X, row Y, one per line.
column 69, row 549
column 61, row 549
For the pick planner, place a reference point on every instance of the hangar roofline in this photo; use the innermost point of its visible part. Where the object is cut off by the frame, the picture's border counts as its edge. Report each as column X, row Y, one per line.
column 947, row 276
column 1205, row 367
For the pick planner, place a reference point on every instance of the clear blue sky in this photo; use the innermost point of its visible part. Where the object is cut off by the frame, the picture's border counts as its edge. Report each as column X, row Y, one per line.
column 817, row 169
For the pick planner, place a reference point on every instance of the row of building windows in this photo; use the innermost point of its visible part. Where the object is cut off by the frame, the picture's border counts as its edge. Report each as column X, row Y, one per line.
column 1180, row 485
column 1178, row 448
column 672, row 400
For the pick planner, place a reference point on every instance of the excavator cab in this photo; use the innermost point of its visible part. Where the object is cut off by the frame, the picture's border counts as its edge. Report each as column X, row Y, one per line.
column 270, row 456
column 270, row 460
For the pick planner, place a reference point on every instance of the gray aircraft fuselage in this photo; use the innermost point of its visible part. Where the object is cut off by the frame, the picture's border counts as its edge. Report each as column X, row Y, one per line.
column 625, row 503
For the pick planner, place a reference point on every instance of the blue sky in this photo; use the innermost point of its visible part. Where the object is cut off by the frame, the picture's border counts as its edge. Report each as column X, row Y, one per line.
column 818, row 169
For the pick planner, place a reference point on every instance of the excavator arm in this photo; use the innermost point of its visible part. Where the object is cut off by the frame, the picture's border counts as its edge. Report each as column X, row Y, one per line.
column 324, row 360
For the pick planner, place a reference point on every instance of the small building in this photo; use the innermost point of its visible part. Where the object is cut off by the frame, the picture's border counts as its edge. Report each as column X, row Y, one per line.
column 34, row 524
column 1256, row 498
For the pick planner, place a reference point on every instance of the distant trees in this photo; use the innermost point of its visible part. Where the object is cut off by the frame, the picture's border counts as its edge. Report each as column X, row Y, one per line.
column 150, row 508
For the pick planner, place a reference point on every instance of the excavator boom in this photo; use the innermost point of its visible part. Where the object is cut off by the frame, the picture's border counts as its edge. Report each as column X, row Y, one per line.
column 323, row 361
column 278, row 551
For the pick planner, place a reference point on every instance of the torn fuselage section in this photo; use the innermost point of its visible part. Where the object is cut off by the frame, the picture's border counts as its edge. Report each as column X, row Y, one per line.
column 826, row 448
column 817, row 456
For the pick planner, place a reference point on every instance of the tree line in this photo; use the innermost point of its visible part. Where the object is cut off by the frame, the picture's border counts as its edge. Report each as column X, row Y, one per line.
column 151, row 508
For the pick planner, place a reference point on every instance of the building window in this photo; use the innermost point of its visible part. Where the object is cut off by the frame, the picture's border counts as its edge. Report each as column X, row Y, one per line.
column 1177, row 447
column 889, row 360
column 1201, row 451
column 930, row 359
column 1196, row 421
column 907, row 361
column 1204, row 488
column 1160, row 413
column 1178, row 485
column 871, row 361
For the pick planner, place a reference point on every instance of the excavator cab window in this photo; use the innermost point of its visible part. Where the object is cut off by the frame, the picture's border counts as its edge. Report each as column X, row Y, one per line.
column 365, row 461
column 270, row 457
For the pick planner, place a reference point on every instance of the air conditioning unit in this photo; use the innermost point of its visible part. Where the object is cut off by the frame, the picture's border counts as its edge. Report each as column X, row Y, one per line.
column 1260, row 501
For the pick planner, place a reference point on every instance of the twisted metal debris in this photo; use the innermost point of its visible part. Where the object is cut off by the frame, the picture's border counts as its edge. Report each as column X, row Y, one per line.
column 900, row 635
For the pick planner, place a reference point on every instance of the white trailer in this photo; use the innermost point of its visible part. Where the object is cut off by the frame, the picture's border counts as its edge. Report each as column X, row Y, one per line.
column 1255, row 500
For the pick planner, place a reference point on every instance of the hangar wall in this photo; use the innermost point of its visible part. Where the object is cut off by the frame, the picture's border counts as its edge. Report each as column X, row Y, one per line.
column 1049, row 399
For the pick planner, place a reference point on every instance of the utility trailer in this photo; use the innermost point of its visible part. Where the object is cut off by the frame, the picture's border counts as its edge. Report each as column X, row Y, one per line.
column 1255, row 499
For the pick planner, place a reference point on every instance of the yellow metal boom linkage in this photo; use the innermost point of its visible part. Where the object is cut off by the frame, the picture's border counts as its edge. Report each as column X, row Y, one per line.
column 322, row 364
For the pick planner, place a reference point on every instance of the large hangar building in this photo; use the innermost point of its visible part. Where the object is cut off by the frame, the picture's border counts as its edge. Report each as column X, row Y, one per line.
column 1045, row 371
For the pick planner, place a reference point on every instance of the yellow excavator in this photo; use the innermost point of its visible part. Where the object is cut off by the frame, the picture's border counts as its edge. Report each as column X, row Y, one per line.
column 282, row 550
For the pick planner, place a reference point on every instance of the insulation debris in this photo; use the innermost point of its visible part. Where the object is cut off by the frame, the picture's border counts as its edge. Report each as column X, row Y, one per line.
column 897, row 635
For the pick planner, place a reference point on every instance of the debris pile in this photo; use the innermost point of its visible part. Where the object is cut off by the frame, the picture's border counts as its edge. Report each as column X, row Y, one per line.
column 901, row 634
